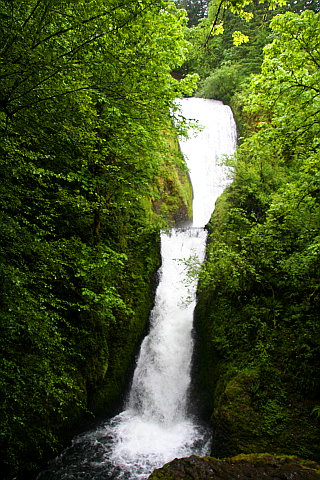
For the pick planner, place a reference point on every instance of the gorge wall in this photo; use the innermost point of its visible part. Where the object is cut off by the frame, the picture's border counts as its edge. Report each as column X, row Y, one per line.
column 256, row 362
column 88, row 367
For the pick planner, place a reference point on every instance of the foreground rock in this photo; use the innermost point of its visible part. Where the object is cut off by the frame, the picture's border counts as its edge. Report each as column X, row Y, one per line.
column 255, row 467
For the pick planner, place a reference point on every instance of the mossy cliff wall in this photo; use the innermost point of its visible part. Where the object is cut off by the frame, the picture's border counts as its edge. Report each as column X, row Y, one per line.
column 137, row 284
column 174, row 194
column 173, row 205
column 256, row 379
column 264, row 466
column 73, row 361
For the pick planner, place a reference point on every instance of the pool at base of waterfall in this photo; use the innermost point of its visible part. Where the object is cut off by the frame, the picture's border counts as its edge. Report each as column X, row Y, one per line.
column 127, row 447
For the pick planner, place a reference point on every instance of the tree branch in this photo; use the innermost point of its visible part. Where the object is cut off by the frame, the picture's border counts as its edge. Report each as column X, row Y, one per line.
column 27, row 20
column 215, row 21
column 51, row 97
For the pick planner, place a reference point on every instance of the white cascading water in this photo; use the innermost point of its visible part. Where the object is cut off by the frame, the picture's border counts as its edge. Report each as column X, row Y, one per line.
column 205, row 151
column 155, row 426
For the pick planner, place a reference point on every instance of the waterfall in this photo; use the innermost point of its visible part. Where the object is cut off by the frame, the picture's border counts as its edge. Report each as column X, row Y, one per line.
column 204, row 152
column 156, row 426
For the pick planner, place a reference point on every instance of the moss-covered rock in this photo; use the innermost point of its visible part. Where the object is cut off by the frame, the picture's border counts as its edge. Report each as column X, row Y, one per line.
column 255, row 412
column 256, row 467
column 175, row 204
column 98, row 290
column 254, row 377
column 174, row 194
column 124, row 337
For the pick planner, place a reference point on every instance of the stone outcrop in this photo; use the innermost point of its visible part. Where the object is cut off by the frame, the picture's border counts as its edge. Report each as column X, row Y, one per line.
column 254, row 466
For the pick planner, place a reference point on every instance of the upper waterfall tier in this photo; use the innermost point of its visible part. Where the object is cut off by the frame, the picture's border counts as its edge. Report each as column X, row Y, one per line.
column 204, row 151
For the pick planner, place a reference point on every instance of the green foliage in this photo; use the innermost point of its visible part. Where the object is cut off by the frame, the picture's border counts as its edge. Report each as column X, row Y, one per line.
column 196, row 9
column 232, row 36
column 227, row 45
column 85, row 96
column 259, row 289
column 221, row 84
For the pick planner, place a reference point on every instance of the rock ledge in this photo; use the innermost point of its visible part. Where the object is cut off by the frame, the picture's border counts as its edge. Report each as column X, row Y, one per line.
column 252, row 466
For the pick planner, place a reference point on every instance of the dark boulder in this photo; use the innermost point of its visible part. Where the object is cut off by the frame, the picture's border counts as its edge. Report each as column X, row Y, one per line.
column 254, row 466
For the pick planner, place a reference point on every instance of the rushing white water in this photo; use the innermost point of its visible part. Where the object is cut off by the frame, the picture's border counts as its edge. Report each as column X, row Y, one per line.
column 155, row 426
column 204, row 152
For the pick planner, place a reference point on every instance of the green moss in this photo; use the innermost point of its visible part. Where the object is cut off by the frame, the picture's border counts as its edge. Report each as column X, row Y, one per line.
column 124, row 338
column 173, row 193
column 254, row 466
column 248, row 377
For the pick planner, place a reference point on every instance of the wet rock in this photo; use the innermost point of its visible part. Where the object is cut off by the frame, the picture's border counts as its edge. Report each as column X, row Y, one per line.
column 253, row 466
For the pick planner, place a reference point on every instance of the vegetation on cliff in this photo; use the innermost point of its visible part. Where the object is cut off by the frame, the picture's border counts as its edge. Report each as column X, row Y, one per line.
column 85, row 97
column 227, row 43
column 258, row 310
column 90, row 172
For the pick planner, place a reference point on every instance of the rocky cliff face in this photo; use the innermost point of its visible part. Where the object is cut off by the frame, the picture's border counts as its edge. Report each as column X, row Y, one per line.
column 259, row 392
column 255, row 467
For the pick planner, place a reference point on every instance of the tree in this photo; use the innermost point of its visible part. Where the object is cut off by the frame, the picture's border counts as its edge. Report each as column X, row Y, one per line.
column 232, row 34
column 259, row 289
column 85, row 97
column 196, row 10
